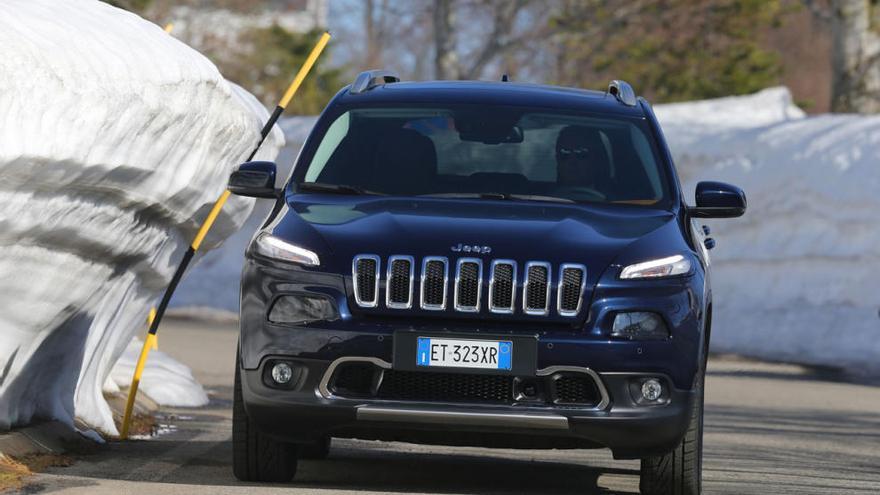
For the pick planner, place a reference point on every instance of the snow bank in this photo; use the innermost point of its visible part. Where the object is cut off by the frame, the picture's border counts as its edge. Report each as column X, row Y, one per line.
column 214, row 282
column 114, row 141
column 166, row 381
column 798, row 277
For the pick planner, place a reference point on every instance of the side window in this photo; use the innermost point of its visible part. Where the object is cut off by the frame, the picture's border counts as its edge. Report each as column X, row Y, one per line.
column 335, row 133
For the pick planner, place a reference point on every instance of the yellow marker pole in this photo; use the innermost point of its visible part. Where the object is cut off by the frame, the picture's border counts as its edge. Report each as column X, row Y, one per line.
column 150, row 317
column 135, row 381
column 205, row 227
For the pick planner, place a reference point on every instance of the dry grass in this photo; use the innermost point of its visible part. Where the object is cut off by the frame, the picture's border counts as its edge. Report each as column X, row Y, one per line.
column 15, row 471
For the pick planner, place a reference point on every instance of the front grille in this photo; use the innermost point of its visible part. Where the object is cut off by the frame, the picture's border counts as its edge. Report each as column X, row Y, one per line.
column 434, row 275
column 502, row 286
column 399, row 282
column 433, row 283
column 536, row 299
column 575, row 389
column 571, row 286
column 468, row 284
column 445, row 387
column 366, row 280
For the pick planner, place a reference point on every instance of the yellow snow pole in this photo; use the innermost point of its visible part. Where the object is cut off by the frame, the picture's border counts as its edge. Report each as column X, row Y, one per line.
column 157, row 314
column 135, row 382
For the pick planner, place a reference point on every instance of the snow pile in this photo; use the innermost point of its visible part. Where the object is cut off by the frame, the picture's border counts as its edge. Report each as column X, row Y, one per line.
column 164, row 380
column 798, row 277
column 115, row 139
column 214, row 282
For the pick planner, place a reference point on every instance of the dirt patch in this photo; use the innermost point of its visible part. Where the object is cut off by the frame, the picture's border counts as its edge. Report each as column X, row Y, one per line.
column 15, row 471
column 142, row 424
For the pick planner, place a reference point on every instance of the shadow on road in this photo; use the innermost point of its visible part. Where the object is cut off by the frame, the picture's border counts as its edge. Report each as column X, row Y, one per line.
column 369, row 469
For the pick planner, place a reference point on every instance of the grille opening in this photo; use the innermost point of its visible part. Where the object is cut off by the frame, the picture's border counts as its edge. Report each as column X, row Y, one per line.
column 354, row 379
column 399, row 282
column 446, row 387
column 501, row 287
column 366, row 280
column 571, row 283
column 468, row 285
column 574, row 389
column 366, row 380
column 434, row 283
column 536, row 288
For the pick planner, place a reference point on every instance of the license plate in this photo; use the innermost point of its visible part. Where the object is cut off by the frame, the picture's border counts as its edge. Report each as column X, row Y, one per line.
column 464, row 353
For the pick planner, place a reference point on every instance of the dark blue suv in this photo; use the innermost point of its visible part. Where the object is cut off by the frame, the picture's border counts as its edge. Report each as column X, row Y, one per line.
column 478, row 263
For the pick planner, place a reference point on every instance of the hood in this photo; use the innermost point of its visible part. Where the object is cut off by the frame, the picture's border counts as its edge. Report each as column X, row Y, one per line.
column 340, row 227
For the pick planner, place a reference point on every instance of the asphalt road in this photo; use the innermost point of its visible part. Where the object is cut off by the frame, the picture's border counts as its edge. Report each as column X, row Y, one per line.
column 777, row 429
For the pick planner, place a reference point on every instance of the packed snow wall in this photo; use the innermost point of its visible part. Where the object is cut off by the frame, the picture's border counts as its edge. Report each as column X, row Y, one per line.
column 798, row 277
column 213, row 284
column 115, row 139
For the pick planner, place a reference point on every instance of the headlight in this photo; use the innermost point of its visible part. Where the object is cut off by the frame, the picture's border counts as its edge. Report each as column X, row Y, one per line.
column 663, row 267
column 639, row 325
column 302, row 309
column 272, row 247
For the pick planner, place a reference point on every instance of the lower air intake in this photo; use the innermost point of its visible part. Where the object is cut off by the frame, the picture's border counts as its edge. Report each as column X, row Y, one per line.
column 445, row 387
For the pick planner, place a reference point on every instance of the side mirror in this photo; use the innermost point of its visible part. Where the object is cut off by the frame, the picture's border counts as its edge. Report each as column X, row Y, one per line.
column 718, row 200
column 254, row 179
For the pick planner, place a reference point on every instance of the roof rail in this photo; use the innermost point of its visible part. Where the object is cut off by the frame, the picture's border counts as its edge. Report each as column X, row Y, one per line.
column 369, row 79
column 623, row 92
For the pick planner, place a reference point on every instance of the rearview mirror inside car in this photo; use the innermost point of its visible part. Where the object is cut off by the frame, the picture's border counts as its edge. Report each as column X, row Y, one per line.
column 718, row 200
column 254, row 180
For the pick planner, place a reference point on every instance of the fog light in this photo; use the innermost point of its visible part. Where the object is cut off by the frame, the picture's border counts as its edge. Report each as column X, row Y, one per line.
column 651, row 389
column 639, row 325
column 282, row 373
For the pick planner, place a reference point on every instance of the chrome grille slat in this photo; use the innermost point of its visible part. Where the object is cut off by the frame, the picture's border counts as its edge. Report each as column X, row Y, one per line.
column 365, row 279
column 502, row 286
column 536, row 289
column 435, row 281
column 468, row 285
column 399, row 282
column 570, row 293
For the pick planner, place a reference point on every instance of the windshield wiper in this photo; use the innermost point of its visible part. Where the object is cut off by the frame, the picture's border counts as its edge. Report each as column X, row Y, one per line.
column 336, row 188
column 526, row 197
column 500, row 196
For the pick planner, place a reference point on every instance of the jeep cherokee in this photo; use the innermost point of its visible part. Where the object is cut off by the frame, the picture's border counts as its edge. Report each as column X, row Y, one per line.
column 478, row 263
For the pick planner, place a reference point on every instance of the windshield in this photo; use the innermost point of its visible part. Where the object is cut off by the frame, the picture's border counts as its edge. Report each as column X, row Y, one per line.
column 492, row 152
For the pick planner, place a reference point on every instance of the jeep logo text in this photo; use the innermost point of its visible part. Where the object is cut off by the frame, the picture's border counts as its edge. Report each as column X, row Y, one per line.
column 468, row 248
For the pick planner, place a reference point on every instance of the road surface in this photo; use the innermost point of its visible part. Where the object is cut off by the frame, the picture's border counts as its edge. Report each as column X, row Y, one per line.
column 777, row 429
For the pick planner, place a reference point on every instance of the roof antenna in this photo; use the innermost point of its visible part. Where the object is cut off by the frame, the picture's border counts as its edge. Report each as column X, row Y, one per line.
column 505, row 78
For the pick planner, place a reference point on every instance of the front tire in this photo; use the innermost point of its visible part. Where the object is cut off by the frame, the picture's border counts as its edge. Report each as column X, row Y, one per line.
column 679, row 472
column 256, row 457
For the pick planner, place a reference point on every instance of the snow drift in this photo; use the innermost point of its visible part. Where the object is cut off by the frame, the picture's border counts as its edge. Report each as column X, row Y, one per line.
column 214, row 282
column 798, row 277
column 114, row 141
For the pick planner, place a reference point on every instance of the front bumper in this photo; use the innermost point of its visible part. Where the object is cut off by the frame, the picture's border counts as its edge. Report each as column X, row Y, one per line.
column 308, row 411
